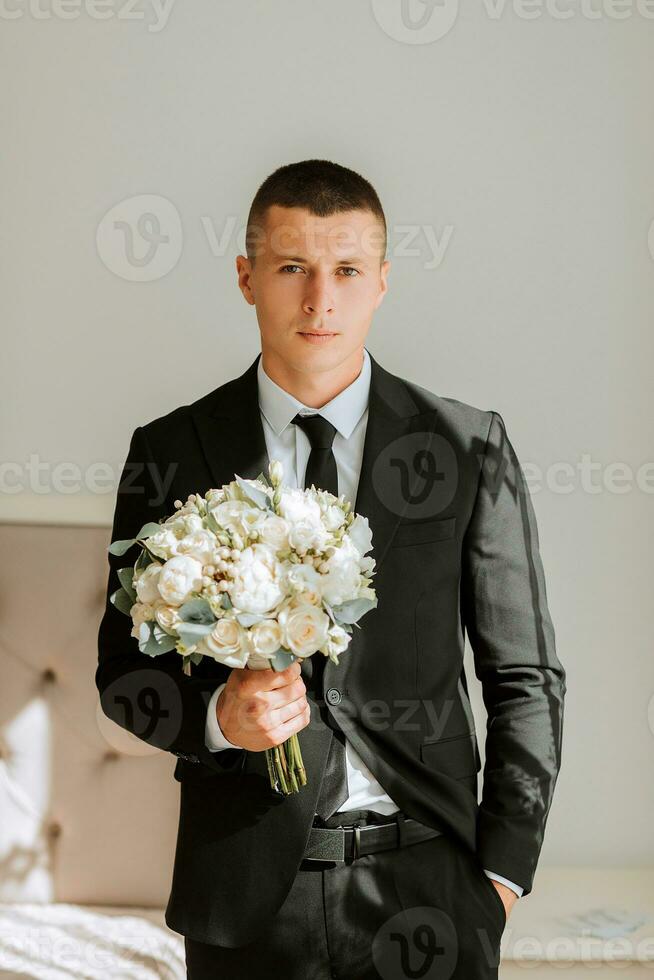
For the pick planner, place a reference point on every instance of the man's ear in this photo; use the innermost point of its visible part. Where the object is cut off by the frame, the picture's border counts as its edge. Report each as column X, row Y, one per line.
column 244, row 273
column 383, row 275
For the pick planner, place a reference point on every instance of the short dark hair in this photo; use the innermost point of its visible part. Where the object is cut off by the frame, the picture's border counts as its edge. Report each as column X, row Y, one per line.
column 321, row 187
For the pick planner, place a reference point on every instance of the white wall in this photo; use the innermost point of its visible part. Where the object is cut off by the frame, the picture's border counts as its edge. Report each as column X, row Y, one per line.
column 528, row 142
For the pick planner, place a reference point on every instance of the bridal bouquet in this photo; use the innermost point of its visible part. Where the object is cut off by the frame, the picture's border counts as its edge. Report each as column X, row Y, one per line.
column 255, row 574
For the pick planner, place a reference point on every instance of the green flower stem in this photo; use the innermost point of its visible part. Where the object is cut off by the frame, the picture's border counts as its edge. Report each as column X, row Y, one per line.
column 285, row 767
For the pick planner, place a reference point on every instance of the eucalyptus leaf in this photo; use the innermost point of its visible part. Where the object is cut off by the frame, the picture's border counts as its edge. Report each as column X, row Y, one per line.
column 165, row 641
column 197, row 611
column 227, row 602
column 144, row 559
column 190, row 633
column 121, row 601
column 353, row 609
column 147, row 641
column 263, row 479
column 148, row 530
column 212, row 524
column 195, row 658
column 330, row 612
column 249, row 619
column 119, row 548
column 257, row 497
column 282, row 659
column 125, row 577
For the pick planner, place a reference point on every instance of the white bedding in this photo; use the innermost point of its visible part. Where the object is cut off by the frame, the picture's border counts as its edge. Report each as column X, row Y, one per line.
column 74, row 942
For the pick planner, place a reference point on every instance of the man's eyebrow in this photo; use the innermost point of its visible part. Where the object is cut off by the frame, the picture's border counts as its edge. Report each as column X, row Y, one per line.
column 298, row 258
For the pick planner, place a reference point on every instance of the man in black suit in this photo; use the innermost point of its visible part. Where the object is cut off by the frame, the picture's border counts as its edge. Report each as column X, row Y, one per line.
column 384, row 864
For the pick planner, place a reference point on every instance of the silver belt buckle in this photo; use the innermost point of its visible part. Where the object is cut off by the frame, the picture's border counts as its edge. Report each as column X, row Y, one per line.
column 325, row 844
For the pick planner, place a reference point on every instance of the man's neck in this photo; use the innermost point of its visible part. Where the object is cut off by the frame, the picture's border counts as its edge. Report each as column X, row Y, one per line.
column 317, row 388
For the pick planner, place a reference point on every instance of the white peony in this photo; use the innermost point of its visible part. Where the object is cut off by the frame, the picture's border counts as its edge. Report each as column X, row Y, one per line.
column 258, row 580
column 304, row 628
column 333, row 517
column 227, row 643
column 200, row 545
column 145, row 582
column 307, row 581
column 341, row 577
column 164, row 543
column 305, row 535
column 299, row 506
column 239, row 516
column 360, row 534
column 179, row 577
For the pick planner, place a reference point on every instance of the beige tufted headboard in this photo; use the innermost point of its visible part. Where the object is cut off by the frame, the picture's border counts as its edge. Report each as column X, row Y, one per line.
column 88, row 813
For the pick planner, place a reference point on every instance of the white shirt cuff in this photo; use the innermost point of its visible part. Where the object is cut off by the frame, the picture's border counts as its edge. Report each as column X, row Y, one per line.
column 214, row 739
column 518, row 889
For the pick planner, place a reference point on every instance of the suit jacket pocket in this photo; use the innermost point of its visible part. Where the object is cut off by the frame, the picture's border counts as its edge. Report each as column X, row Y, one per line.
column 456, row 756
column 422, row 532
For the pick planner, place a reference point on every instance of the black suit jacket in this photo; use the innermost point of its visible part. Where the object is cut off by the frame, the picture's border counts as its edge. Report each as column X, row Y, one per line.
column 456, row 546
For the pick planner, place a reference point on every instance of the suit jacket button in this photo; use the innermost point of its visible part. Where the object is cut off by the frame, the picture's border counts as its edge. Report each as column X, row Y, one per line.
column 334, row 696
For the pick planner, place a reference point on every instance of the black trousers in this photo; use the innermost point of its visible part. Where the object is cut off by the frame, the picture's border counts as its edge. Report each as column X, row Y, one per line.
column 425, row 910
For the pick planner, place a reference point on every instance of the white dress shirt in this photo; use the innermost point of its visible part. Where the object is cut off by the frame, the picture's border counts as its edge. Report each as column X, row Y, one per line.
column 348, row 413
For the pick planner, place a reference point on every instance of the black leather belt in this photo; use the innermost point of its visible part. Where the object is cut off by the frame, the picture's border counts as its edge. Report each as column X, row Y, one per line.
column 346, row 843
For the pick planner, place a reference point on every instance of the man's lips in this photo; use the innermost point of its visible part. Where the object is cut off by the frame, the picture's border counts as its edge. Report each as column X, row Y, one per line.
column 316, row 337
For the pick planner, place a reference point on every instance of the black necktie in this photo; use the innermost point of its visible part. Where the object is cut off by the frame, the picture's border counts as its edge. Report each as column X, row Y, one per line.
column 321, row 471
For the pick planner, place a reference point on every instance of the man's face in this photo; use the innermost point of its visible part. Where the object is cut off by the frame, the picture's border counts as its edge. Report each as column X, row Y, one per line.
column 316, row 283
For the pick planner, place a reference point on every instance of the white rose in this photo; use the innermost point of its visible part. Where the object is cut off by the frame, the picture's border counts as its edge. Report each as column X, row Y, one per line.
column 227, row 643
column 141, row 612
column 145, row 582
column 179, row 577
column 360, row 534
column 258, row 580
column 166, row 616
column 265, row 639
column 274, row 532
column 304, row 629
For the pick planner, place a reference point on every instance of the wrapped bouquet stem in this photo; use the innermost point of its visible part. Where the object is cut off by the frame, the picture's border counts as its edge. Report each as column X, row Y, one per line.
column 253, row 574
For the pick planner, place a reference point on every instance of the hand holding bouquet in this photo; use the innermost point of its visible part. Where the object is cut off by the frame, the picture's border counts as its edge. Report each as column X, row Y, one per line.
column 254, row 574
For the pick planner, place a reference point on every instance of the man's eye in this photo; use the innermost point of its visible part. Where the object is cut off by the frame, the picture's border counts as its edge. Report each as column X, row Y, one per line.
column 285, row 267
column 349, row 268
